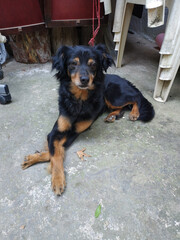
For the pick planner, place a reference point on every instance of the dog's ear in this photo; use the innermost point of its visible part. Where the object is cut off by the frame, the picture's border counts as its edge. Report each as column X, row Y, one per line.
column 106, row 59
column 59, row 60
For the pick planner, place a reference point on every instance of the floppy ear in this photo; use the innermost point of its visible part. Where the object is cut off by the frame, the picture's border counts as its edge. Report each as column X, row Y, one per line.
column 106, row 59
column 59, row 60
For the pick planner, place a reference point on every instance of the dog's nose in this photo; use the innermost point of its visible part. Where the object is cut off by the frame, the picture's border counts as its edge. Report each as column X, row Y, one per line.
column 84, row 80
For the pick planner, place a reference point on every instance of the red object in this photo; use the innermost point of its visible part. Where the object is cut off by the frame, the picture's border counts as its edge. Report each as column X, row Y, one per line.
column 95, row 32
column 70, row 13
column 28, row 15
column 20, row 13
column 71, row 10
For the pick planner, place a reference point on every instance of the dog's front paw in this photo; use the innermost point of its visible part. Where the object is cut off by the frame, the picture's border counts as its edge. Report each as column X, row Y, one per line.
column 58, row 183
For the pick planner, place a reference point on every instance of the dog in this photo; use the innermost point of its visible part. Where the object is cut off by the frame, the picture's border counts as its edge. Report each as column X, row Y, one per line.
column 85, row 92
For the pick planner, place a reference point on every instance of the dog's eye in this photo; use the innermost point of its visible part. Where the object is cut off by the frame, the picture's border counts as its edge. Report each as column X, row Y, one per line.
column 73, row 64
column 93, row 66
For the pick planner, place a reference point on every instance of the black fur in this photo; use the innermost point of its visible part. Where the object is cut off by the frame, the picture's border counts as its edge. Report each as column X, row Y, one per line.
column 85, row 92
column 119, row 91
column 116, row 90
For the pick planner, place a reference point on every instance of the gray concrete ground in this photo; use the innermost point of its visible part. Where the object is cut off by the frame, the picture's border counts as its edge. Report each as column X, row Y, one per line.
column 132, row 172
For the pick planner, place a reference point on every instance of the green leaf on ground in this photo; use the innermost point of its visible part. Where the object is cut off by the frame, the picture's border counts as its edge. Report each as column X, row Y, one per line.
column 98, row 211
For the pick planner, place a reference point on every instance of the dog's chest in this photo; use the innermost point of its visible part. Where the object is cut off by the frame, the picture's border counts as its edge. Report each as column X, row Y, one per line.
column 77, row 107
column 89, row 109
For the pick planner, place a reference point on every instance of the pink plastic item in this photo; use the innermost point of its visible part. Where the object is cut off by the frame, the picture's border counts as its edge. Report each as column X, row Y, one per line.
column 159, row 39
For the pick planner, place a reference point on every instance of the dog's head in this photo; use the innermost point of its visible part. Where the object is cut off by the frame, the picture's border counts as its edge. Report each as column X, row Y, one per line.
column 81, row 65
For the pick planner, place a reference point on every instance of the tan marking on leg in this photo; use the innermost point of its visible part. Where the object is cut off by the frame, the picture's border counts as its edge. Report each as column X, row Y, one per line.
column 35, row 158
column 63, row 124
column 109, row 105
column 83, row 125
column 62, row 141
column 134, row 114
column 112, row 116
column 57, row 168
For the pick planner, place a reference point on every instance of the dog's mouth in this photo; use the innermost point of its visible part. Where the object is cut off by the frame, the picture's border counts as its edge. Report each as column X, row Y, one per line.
column 82, row 86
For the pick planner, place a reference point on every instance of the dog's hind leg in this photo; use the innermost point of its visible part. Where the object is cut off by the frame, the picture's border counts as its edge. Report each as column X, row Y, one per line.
column 114, row 115
column 35, row 158
column 134, row 114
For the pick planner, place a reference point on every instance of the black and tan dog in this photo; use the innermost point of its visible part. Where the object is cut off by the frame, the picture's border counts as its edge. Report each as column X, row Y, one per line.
column 84, row 93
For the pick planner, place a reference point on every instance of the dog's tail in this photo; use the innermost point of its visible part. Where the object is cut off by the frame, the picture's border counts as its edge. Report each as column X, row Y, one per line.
column 146, row 109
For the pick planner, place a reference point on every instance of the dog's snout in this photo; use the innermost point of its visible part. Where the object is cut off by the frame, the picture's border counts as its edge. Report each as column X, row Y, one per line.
column 84, row 80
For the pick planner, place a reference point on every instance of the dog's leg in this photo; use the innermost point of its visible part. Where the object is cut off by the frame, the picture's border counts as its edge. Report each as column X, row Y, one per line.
column 114, row 115
column 56, row 140
column 35, row 158
column 81, row 126
column 134, row 114
column 57, row 168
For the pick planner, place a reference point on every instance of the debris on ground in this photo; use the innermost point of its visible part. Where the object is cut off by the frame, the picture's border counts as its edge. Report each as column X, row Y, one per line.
column 81, row 154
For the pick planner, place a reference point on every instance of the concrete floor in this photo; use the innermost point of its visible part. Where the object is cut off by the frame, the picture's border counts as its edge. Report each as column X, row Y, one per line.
column 132, row 172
